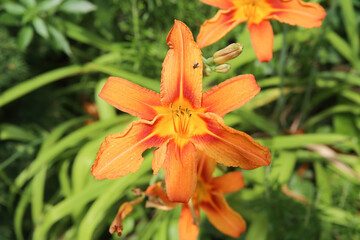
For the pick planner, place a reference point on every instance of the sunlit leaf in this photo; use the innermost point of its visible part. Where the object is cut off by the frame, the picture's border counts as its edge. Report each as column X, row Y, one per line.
column 77, row 7
column 48, row 5
column 24, row 37
column 14, row 8
column 40, row 27
column 59, row 40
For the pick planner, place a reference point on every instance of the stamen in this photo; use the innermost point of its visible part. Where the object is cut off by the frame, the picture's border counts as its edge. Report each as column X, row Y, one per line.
column 181, row 119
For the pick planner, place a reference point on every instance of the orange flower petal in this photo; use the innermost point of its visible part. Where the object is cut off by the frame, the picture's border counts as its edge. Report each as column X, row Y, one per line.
column 180, row 171
column 228, row 183
column 158, row 191
column 206, row 166
column 131, row 98
column 296, row 12
column 179, row 79
column 120, row 153
column 262, row 38
column 214, row 29
column 159, row 158
column 233, row 93
column 223, row 4
column 223, row 217
column 187, row 229
column 229, row 146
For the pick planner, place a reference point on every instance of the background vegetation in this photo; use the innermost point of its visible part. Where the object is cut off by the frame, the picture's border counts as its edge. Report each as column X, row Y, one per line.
column 54, row 58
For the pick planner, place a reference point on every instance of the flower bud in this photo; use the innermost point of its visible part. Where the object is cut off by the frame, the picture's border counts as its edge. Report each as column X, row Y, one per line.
column 207, row 71
column 223, row 68
column 228, row 53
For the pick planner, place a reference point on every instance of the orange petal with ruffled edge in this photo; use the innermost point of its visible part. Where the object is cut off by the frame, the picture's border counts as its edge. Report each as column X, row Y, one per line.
column 262, row 40
column 216, row 28
column 296, row 12
column 229, row 146
column 131, row 98
column 187, row 229
column 223, row 4
column 120, row 153
column 233, row 93
column 228, row 183
column 223, row 217
column 179, row 78
column 180, row 171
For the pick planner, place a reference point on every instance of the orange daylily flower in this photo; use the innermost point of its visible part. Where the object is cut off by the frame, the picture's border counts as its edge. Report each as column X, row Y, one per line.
column 257, row 13
column 179, row 121
column 209, row 197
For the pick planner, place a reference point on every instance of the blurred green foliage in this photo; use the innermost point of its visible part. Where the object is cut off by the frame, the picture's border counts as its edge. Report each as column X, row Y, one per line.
column 55, row 55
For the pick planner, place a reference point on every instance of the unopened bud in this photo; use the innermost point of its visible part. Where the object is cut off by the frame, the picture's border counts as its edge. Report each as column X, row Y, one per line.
column 228, row 53
column 223, row 68
column 207, row 71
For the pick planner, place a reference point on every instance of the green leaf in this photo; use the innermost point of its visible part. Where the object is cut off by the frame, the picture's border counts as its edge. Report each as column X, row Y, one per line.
column 351, row 27
column 64, row 179
column 37, row 193
column 83, row 35
column 106, row 111
column 40, row 27
column 322, row 182
column 48, row 5
column 14, row 8
column 97, row 211
column 24, row 37
column 258, row 120
column 13, row 132
column 340, row 45
column 34, row 83
column 299, row 141
column 71, row 140
column 135, row 78
column 59, row 40
column 9, row 20
column 339, row 216
column 353, row 109
column 282, row 168
column 259, row 227
column 28, row 3
column 77, row 7
column 20, row 212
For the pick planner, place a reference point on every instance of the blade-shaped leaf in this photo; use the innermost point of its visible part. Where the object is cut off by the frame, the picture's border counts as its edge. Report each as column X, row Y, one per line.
column 77, row 7
column 25, row 36
column 40, row 27
column 48, row 5
column 14, row 8
column 59, row 40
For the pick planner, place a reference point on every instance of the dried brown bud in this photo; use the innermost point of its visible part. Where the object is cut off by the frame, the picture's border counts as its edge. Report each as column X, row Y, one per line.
column 228, row 53
column 124, row 210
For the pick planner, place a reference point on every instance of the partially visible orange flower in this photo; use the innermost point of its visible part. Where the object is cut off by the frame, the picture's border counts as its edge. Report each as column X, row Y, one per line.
column 180, row 121
column 209, row 197
column 257, row 13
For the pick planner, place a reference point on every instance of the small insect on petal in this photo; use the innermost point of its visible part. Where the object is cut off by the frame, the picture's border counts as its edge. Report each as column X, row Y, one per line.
column 196, row 65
